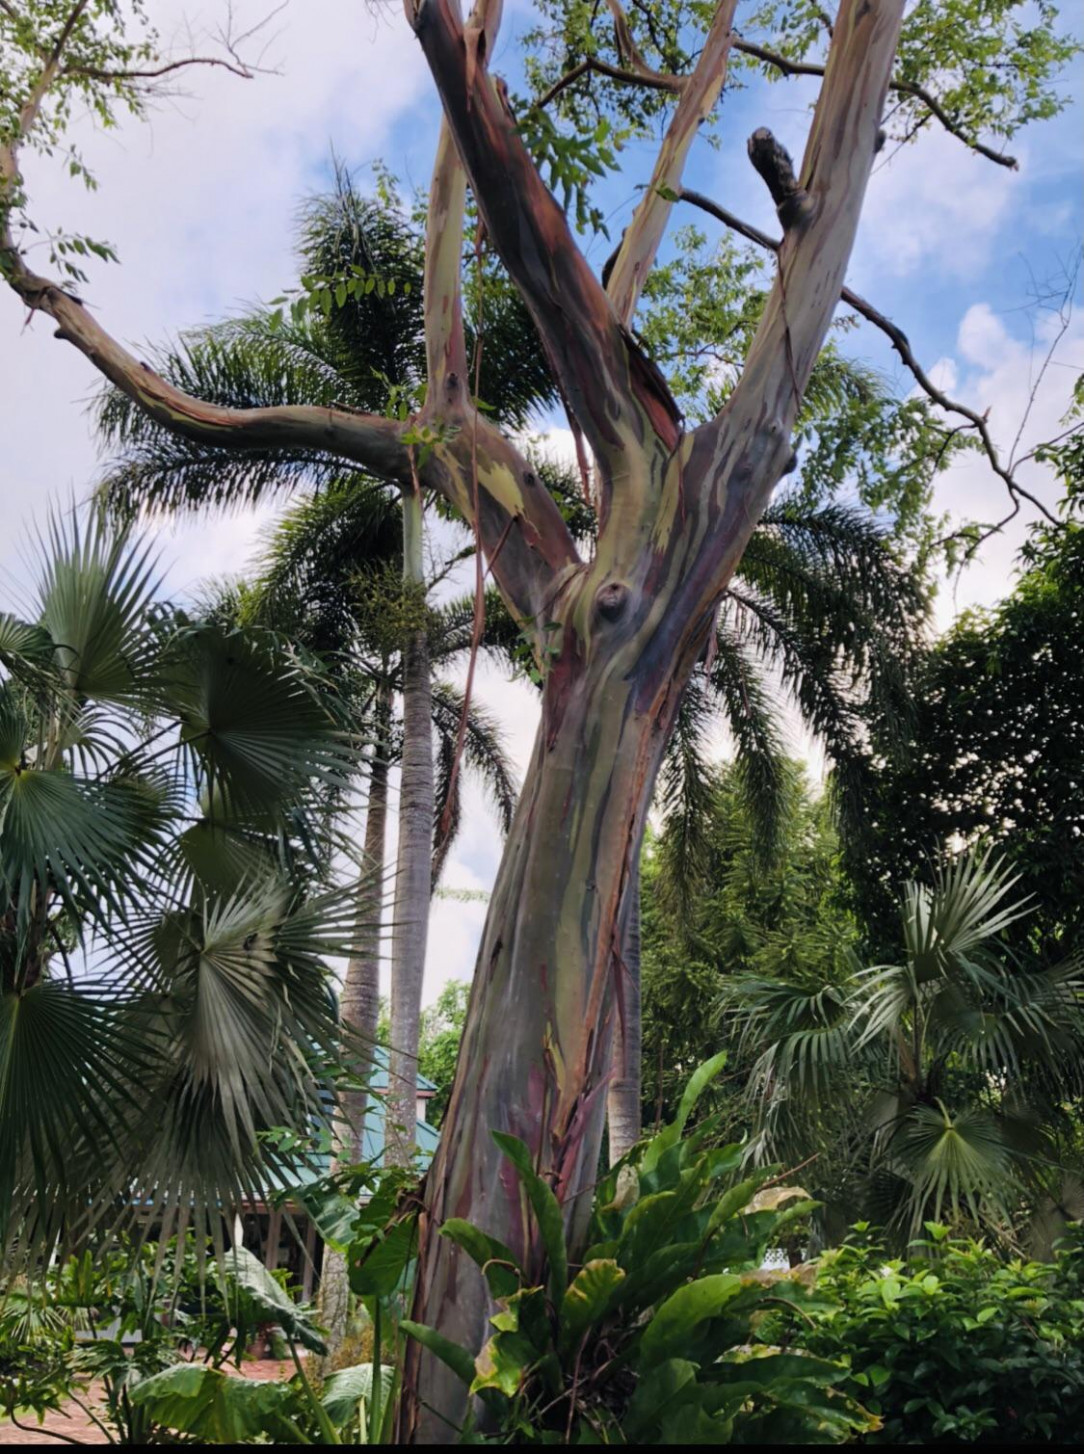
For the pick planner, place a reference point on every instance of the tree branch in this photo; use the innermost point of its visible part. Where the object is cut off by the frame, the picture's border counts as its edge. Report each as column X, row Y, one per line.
column 655, row 81
column 697, row 100
column 614, row 393
column 902, row 346
column 788, row 67
column 367, row 439
column 743, row 451
column 445, row 345
column 90, row 73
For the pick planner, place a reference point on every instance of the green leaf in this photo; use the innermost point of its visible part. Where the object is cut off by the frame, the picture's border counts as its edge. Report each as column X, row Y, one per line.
column 214, row 1408
column 670, row 1135
column 269, row 1301
column 670, row 1330
column 345, row 1390
column 502, row 1271
column 379, row 1269
column 457, row 1359
column 546, row 1208
column 588, row 1297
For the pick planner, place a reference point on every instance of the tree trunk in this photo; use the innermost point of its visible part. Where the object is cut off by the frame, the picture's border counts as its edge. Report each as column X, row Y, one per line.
column 359, row 1011
column 624, row 1095
column 536, row 1051
column 413, row 879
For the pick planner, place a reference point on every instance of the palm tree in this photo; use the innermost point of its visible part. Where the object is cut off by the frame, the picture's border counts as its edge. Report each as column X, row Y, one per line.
column 366, row 350
column 166, row 901
column 331, row 581
column 946, row 1076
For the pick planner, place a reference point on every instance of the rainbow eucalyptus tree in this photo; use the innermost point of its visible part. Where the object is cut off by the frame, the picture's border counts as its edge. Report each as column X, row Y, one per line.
column 616, row 632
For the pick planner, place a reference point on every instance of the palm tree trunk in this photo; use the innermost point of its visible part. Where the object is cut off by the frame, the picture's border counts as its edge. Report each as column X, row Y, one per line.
column 623, row 1096
column 359, row 1011
column 413, row 879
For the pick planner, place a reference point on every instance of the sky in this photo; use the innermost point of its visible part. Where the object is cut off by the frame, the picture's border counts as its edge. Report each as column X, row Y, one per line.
column 199, row 201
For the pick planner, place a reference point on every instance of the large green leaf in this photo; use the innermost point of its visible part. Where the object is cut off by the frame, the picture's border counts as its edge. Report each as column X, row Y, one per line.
column 588, row 1297
column 264, row 1300
column 499, row 1266
column 214, row 1408
column 546, row 1208
column 671, row 1329
column 458, row 1359
column 346, row 1390
column 97, row 586
column 670, row 1135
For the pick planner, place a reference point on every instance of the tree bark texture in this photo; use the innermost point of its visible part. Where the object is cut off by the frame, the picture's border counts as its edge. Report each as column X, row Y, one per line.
column 676, row 511
column 359, row 1012
column 413, row 877
column 623, row 1096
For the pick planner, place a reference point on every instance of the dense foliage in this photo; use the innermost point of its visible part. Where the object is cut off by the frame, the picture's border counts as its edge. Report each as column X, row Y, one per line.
column 652, row 1337
column 952, row 1343
column 995, row 751
column 167, row 896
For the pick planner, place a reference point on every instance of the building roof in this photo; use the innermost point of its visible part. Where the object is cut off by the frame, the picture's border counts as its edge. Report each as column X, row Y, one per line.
column 319, row 1165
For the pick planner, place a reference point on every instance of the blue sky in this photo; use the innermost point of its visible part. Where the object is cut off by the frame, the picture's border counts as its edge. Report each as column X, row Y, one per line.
column 200, row 203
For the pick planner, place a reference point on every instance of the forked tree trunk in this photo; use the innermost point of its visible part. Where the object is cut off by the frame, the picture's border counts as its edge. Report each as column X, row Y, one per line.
column 623, row 1099
column 676, row 510
column 413, row 879
column 359, row 1012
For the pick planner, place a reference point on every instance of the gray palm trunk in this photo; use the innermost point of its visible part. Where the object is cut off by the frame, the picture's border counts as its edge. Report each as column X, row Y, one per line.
column 359, row 1011
column 413, row 879
column 623, row 1096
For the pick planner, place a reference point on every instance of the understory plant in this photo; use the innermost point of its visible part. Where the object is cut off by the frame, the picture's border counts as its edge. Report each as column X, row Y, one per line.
column 653, row 1336
column 952, row 1343
column 160, row 1351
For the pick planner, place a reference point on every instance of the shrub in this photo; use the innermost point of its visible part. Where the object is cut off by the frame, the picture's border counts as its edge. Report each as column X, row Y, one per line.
column 652, row 1336
column 953, row 1343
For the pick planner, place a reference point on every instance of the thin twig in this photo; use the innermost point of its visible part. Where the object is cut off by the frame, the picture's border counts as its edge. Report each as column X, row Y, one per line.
column 902, row 346
column 788, row 67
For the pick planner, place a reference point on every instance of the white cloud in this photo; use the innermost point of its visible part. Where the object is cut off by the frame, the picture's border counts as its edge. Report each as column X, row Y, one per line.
column 1002, row 370
column 933, row 203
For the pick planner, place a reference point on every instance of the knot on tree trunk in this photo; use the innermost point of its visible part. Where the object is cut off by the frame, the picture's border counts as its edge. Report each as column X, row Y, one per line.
column 793, row 203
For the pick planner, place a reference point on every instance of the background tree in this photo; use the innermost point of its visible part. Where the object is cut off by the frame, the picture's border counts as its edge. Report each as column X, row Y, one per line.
column 353, row 336
column 618, row 634
column 947, row 1078
column 994, row 752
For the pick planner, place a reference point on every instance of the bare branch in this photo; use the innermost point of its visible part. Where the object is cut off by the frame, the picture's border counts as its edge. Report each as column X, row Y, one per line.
column 90, row 73
column 899, row 342
column 698, row 97
column 616, row 395
column 445, row 347
column 656, row 81
column 368, row 440
column 902, row 88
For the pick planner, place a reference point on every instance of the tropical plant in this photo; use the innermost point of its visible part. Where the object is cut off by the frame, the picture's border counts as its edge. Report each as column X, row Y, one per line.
column 953, row 1344
column 157, row 1355
column 652, row 1337
column 166, row 899
column 959, row 1062
column 785, row 916
column 327, row 580
column 615, row 631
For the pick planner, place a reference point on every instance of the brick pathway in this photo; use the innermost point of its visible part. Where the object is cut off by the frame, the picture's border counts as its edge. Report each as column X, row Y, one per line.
column 73, row 1424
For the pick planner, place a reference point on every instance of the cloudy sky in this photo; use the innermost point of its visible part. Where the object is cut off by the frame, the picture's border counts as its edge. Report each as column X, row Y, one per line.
column 199, row 202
